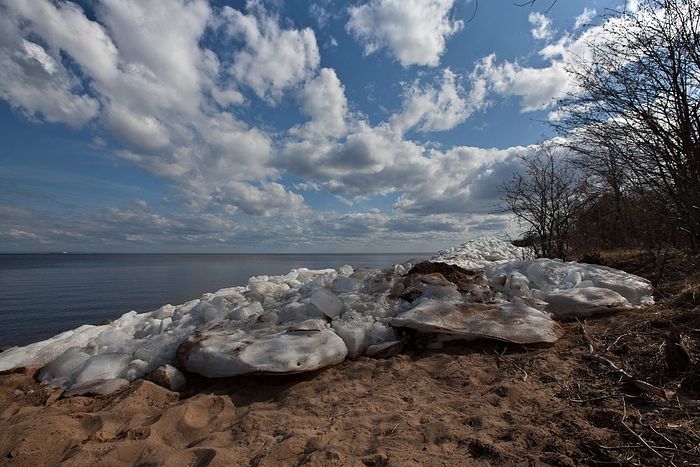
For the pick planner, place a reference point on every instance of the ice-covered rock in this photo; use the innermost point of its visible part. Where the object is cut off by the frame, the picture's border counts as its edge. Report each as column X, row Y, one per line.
column 481, row 252
column 510, row 322
column 168, row 376
column 294, row 348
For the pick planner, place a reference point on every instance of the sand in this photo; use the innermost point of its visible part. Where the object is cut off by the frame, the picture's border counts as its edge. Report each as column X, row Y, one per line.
column 477, row 403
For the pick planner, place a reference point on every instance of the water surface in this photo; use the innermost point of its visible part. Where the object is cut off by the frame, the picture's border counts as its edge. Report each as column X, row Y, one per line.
column 42, row 295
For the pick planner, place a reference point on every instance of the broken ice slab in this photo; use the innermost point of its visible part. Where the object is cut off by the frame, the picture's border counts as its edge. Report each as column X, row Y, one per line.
column 293, row 348
column 583, row 302
column 327, row 303
column 510, row 322
column 571, row 289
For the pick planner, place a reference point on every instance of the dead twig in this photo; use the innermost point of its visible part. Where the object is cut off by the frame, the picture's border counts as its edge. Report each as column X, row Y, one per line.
column 627, row 377
column 592, row 399
column 607, row 349
column 499, row 359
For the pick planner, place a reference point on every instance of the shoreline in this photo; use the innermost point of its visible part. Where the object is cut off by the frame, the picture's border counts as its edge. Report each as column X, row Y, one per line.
column 483, row 402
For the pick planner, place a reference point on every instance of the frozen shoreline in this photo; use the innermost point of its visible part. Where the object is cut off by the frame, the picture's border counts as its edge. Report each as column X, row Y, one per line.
column 308, row 319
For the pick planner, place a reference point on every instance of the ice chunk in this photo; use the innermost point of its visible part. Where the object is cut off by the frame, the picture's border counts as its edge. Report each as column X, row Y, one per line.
column 481, row 252
column 166, row 311
column 380, row 283
column 571, row 288
column 327, row 303
column 354, row 335
column 264, row 286
column 385, row 349
column 509, row 322
column 40, row 353
column 222, row 351
column 62, row 368
column 245, row 312
column 97, row 388
column 111, row 336
column 359, row 334
column 103, row 366
column 582, row 302
column 346, row 284
column 345, row 270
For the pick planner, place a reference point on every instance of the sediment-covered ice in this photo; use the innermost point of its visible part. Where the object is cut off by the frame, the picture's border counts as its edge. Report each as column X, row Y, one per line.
column 510, row 322
column 308, row 319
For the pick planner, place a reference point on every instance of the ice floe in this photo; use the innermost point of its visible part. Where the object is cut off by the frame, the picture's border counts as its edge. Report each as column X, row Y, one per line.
column 308, row 319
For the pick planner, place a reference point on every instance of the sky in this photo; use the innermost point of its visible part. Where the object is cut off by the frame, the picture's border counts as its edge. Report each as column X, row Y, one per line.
column 274, row 126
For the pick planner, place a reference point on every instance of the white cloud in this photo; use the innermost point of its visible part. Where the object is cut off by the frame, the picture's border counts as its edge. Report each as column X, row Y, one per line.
column 32, row 77
column 323, row 100
column 434, row 108
column 538, row 88
column 414, row 31
column 147, row 78
column 541, row 26
column 265, row 200
column 585, row 17
column 273, row 59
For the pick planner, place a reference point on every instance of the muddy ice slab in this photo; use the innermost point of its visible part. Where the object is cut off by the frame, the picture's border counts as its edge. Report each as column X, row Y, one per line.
column 510, row 322
column 226, row 350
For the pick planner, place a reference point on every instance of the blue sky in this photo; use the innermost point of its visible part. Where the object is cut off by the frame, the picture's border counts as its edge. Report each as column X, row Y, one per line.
column 272, row 126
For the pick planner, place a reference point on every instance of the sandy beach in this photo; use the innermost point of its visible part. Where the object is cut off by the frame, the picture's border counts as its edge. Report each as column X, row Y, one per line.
column 477, row 403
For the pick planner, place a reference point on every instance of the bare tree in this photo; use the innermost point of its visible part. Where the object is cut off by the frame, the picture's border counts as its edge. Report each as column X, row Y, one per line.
column 635, row 115
column 547, row 197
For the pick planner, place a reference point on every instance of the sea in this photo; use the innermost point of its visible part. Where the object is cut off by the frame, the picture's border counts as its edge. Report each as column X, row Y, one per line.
column 42, row 295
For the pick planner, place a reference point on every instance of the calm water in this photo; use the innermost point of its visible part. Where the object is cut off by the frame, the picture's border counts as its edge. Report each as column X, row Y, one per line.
column 42, row 295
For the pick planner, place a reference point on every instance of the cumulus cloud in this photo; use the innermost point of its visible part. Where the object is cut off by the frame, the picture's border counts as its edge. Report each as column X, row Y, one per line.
column 273, row 59
column 32, row 77
column 439, row 107
column 267, row 199
column 585, row 17
column 141, row 70
column 415, row 32
column 323, row 100
column 538, row 88
column 541, row 26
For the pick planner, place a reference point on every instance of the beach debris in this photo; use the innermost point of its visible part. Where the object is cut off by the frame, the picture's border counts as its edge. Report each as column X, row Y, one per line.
column 309, row 319
column 226, row 350
column 509, row 322
column 168, row 376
